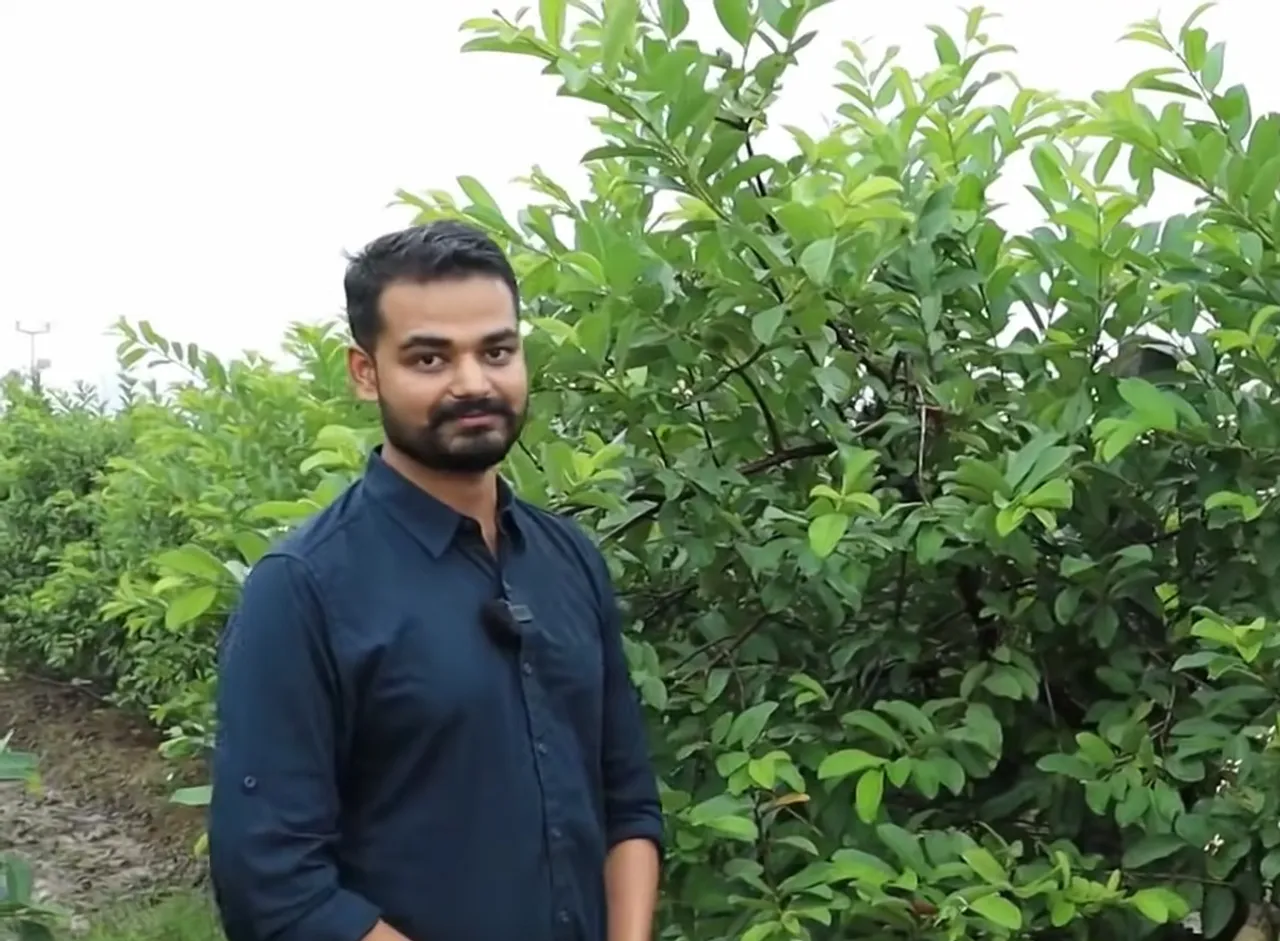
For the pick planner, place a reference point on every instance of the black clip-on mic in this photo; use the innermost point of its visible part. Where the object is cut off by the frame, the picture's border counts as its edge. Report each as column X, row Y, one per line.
column 505, row 622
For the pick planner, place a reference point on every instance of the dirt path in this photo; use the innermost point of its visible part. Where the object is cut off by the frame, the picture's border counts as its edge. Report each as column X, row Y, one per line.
column 101, row 830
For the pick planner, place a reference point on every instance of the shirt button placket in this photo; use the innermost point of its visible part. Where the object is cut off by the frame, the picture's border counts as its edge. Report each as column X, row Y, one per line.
column 533, row 701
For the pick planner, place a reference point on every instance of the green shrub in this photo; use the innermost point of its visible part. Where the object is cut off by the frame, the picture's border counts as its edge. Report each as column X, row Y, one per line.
column 944, row 548
column 52, row 453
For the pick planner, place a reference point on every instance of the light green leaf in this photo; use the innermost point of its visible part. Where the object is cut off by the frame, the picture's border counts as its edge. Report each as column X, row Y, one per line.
column 998, row 910
column 845, row 762
column 673, row 17
column 1151, row 903
column 816, row 259
column 765, row 324
column 198, row 796
column 195, row 561
column 872, row 188
column 985, row 865
column 552, row 13
column 869, row 792
column 749, row 724
column 732, row 825
column 619, row 30
column 826, row 531
column 735, row 16
column 188, row 606
column 1155, row 409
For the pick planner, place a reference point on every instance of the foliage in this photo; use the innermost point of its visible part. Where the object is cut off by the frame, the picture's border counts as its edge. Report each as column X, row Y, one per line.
column 21, row 917
column 944, row 547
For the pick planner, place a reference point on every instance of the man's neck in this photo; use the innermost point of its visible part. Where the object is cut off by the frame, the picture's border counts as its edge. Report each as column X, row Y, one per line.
column 473, row 495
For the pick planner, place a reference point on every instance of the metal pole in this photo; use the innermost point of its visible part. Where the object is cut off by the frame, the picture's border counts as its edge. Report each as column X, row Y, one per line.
column 32, row 333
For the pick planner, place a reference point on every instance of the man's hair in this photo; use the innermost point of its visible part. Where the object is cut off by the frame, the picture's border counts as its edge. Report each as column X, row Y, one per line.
column 435, row 251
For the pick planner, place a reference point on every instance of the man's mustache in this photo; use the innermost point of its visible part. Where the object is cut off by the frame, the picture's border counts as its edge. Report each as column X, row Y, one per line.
column 470, row 408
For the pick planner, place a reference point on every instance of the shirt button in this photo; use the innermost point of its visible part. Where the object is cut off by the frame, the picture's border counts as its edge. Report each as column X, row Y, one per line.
column 527, row 667
column 542, row 748
column 555, row 833
column 564, row 916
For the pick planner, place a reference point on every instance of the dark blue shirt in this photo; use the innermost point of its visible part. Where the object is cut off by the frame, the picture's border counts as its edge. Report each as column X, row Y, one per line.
column 380, row 755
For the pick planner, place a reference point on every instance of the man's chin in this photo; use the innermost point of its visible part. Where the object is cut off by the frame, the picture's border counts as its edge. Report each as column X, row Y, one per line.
column 471, row 460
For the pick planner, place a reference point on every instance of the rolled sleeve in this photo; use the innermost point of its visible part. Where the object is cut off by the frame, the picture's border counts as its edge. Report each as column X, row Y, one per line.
column 631, row 804
column 273, row 817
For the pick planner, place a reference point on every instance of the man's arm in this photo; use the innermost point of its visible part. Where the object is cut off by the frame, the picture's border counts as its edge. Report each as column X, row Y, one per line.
column 273, row 818
column 633, row 813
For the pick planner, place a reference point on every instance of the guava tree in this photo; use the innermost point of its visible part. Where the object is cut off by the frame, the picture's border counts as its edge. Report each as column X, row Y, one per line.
column 944, row 546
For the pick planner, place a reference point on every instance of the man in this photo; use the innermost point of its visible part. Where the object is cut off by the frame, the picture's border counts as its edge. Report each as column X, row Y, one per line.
column 426, row 730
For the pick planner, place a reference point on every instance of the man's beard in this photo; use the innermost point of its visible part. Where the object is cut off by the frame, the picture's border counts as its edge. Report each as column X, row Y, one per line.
column 458, row 450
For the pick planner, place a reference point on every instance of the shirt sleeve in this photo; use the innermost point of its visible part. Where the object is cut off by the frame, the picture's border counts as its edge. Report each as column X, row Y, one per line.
column 273, row 817
column 631, row 804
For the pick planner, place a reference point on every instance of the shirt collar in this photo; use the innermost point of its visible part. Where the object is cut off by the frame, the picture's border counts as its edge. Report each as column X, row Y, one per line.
column 431, row 522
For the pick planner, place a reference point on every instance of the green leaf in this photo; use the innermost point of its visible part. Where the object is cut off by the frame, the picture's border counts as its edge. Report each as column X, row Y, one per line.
column 872, row 188
column 1106, row 157
column 1159, row 904
column 1219, row 907
column 876, row 726
column 1152, row 847
column 765, row 324
column 905, row 845
column 737, row 827
column 189, row 606
column 735, row 16
column 195, row 561
column 845, row 762
column 1269, row 869
column 619, row 30
column 198, row 796
column 816, row 259
column 1154, row 408
column 673, row 17
column 552, row 13
column 825, row 533
column 999, row 911
column 1069, row 765
column 985, row 865
column 869, row 792
column 749, row 724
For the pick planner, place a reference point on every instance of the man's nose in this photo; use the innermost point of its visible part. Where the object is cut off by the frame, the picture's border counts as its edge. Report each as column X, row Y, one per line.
column 469, row 379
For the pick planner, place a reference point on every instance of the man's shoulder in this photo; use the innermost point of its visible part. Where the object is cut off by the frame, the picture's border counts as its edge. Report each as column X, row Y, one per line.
column 566, row 534
column 321, row 541
column 557, row 524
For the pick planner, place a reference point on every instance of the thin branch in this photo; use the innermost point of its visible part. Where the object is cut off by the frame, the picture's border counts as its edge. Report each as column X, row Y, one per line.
column 813, row 449
column 770, row 423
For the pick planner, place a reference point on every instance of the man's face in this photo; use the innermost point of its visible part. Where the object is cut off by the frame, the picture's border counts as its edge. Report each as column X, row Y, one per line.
column 448, row 372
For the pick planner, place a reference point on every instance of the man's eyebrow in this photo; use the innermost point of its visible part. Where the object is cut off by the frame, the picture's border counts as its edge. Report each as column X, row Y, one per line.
column 430, row 341
column 424, row 341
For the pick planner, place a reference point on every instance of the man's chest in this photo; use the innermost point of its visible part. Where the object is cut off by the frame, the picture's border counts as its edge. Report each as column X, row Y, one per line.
column 427, row 659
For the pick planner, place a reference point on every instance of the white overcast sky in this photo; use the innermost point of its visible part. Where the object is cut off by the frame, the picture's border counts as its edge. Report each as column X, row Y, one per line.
column 204, row 166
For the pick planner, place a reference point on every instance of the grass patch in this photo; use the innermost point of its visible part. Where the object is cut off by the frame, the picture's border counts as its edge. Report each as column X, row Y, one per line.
column 183, row 916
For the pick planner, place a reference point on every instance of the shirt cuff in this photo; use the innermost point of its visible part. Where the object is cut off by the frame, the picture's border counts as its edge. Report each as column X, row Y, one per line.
column 638, row 828
column 345, row 916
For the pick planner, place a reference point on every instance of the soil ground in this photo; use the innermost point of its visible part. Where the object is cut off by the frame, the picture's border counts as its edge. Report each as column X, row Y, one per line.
column 100, row 832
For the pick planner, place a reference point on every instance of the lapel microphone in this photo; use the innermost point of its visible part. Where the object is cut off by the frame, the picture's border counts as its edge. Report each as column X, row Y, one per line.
column 505, row 622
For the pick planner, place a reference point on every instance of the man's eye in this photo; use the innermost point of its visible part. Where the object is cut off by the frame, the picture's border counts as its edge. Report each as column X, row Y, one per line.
column 500, row 355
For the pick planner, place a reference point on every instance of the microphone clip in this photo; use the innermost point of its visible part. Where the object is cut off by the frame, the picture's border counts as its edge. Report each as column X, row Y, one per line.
column 505, row 622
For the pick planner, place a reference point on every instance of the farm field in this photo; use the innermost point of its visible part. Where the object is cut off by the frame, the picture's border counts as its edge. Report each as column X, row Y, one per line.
column 110, row 845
